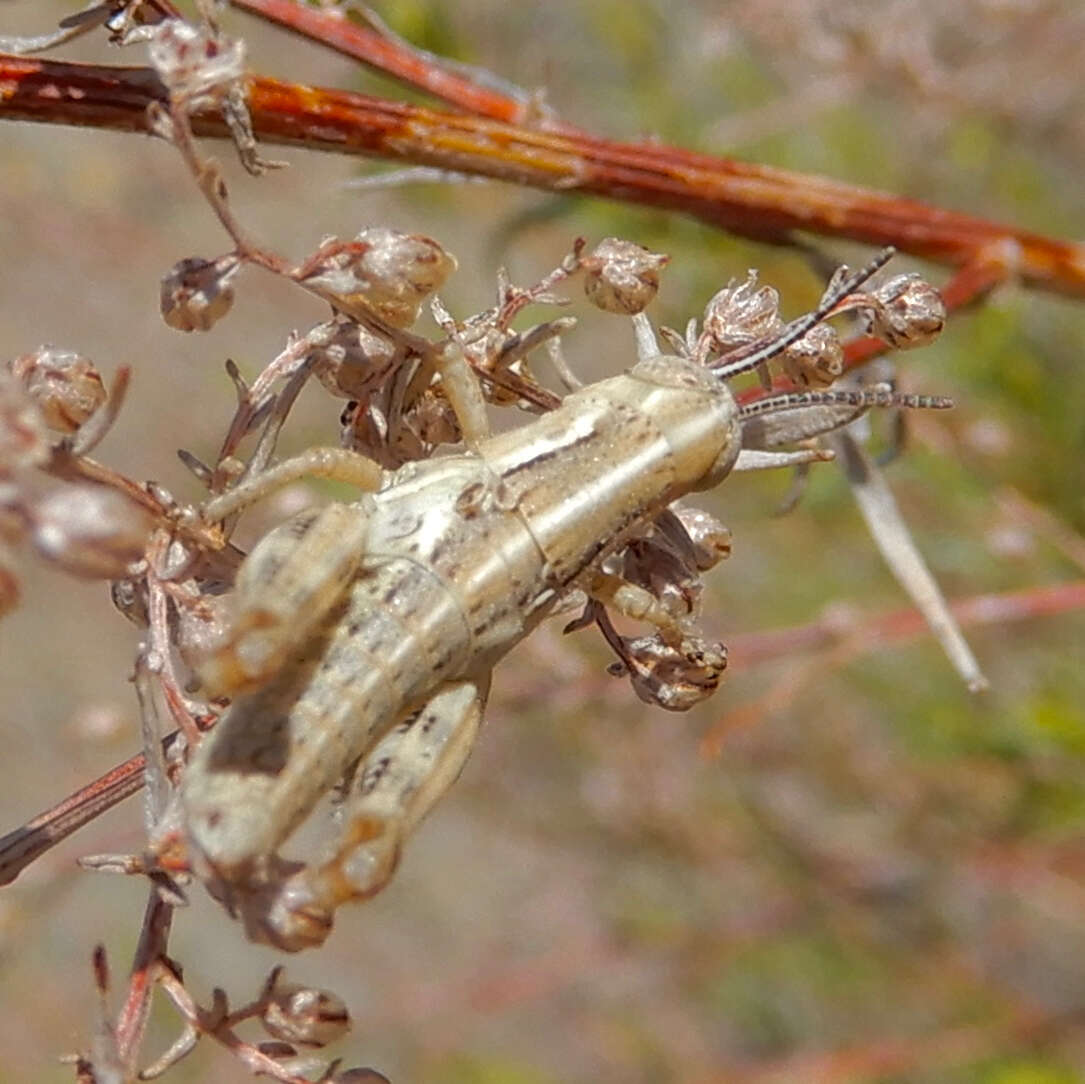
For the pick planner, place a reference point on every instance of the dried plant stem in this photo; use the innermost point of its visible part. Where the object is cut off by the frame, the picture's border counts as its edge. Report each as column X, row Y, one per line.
column 40, row 834
column 153, row 941
column 830, row 643
column 748, row 199
column 897, row 1057
column 478, row 93
column 872, row 634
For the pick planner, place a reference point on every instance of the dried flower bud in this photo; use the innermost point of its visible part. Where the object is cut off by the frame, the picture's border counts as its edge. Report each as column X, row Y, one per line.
column 196, row 293
column 350, row 360
column 909, row 312
column 305, row 1016
column 674, row 678
column 622, row 277
column 90, row 531
column 413, row 435
column 202, row 623
column 741, row 314
column 815, row 360
column 195, row 63
column 381, row 271
column 66, row 386
column 711, row 539
column 663, row 570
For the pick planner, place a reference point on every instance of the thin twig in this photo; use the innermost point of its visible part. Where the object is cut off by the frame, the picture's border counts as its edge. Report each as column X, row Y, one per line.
column 153, row 942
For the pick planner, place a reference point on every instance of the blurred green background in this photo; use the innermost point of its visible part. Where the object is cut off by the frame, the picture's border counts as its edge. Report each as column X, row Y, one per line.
column 870, row 876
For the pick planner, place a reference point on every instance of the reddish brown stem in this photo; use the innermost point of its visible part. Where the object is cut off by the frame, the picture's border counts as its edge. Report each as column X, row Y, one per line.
column 968, row 285
column 18, row 849
column 758, row 647
column 930, row 1056
column 153, row 942
column 752, row 200
column 333, row 27
column 22, row 846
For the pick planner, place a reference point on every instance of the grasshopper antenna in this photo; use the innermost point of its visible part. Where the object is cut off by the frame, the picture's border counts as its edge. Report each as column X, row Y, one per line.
column 878, row 396
column 751, row 356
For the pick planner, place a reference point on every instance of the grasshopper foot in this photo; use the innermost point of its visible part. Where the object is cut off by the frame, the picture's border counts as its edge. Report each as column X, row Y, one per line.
column 291, row 905
column 302, row 913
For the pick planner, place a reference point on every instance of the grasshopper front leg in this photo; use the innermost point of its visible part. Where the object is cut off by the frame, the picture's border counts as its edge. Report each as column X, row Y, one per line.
column 393, row 788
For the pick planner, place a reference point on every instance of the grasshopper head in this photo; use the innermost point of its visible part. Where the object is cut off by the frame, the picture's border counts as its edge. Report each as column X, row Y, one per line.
column 697, row 414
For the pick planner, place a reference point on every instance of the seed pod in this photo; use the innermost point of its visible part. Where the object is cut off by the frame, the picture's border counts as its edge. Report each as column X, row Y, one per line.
column 195, row 62
column 90, row 531
column 351, row 360
column 815, row 360
column 661, row 568
column 909, row 312
column 381, row 271
column 196, row 293
column 66, row 386
column 202, row 623
column 674, row 678
column 740, row 314
column 622, row 277
column 305, row 1016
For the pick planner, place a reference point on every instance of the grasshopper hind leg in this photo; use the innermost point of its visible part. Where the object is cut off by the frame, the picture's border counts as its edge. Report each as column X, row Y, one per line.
column 296, row 573
column 286, row 587
column 394, row 787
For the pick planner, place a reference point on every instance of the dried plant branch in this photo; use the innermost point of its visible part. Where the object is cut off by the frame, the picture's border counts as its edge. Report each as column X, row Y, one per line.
column 872, row 634
column 152, row 946
column 355, row 31
column 751, row 200
column 285, row 660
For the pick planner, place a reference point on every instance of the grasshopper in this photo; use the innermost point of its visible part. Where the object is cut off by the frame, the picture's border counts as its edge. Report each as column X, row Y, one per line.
column 366, row 633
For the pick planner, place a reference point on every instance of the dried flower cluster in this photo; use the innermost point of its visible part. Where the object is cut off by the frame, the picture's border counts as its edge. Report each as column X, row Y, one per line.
column 171, row 564
column 906, row 312
column 173, row 568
